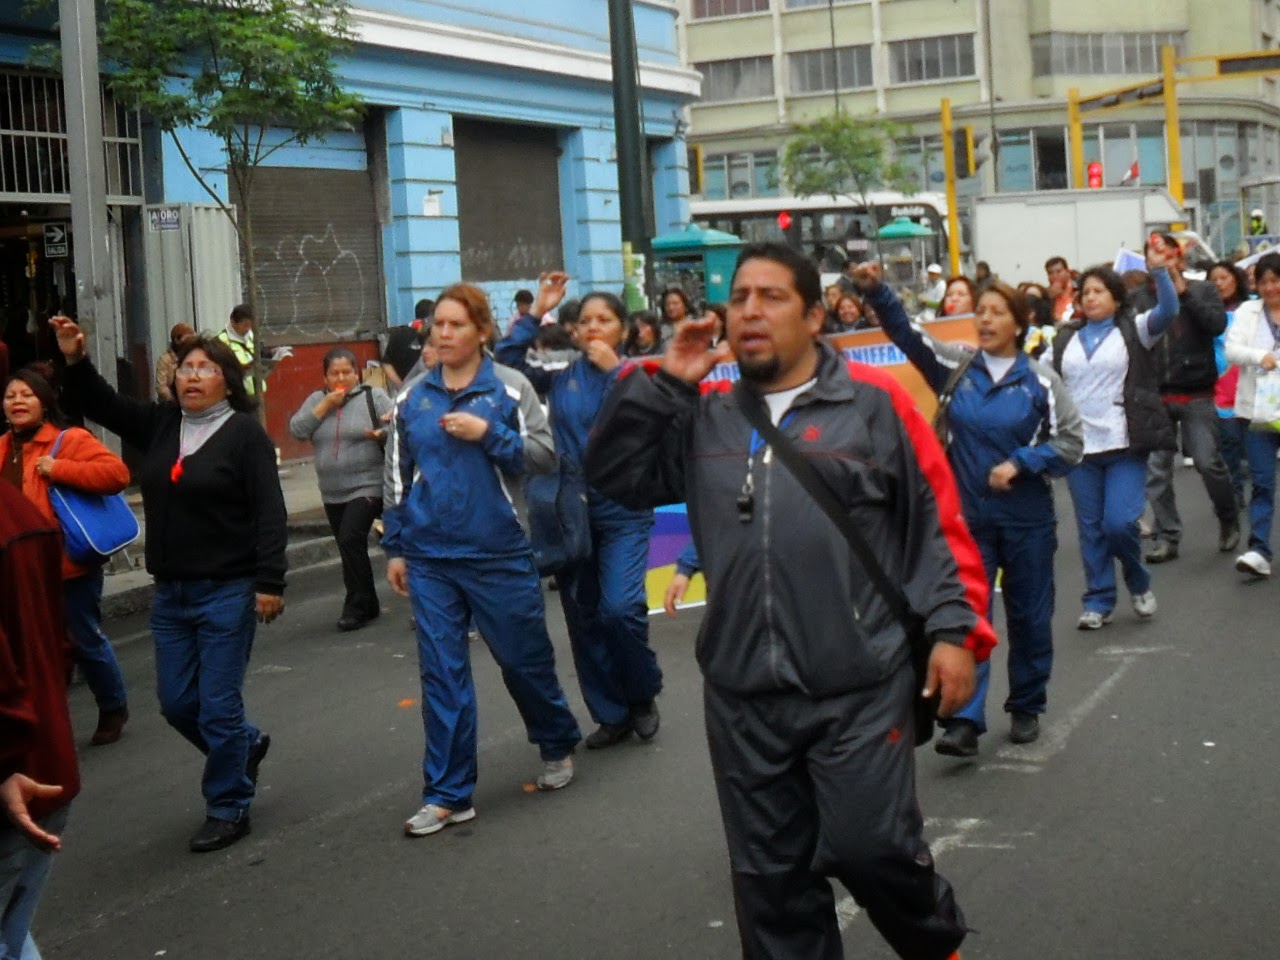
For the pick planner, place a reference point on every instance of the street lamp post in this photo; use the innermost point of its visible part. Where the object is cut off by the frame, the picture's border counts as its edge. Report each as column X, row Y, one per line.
column 991, row 96
column 835, row 59
column 632, row 155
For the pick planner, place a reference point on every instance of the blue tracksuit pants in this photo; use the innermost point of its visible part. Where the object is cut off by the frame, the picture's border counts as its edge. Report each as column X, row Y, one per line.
column 607, row 612
column 1025, row 554
column 505, row 597
column 1109, row 493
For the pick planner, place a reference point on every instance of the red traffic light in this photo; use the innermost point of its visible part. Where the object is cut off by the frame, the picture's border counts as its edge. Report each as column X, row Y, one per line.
column 1095, row 175
column 784, row 221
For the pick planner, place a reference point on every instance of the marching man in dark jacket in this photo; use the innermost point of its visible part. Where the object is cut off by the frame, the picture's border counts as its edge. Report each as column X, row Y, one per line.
column 809, row 690
column 1188, row 372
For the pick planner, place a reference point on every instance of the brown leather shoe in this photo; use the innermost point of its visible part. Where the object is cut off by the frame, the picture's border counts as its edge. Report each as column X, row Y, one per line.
column 110, row 726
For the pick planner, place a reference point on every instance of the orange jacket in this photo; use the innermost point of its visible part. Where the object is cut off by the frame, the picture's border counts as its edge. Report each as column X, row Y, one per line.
column 82, row 462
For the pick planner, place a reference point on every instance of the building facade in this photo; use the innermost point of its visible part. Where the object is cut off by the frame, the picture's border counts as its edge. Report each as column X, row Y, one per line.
column 486, row 154
column 1007, row 66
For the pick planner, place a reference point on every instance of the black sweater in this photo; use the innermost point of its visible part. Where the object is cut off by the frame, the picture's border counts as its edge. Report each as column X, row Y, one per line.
column 224, row 518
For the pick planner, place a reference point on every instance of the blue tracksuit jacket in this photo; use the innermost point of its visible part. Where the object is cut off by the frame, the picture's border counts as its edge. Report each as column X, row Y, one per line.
column 446, row 498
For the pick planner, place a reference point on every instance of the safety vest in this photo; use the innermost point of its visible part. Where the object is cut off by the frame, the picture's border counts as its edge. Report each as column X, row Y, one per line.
column 244, row 356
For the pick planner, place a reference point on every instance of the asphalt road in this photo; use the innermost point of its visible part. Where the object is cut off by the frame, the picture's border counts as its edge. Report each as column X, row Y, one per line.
column 1141, row 825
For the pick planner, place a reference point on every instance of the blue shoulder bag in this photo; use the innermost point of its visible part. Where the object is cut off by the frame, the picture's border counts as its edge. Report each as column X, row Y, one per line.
column 94, row 525
column 559, row 523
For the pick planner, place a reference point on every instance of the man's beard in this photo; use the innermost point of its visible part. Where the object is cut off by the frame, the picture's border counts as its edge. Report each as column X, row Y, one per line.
column 760, row 371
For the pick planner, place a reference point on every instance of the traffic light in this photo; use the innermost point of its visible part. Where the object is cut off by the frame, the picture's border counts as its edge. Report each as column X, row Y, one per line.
column 1095, row 175
column 1268, row 61
column 963, row 151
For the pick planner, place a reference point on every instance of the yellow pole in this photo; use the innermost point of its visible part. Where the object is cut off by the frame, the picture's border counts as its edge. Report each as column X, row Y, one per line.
column 949, row 162
column 1076, row 132
column 1172, row 130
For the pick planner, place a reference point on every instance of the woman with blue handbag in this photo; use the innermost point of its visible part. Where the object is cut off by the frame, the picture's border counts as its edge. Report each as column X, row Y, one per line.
column 37, row 454
column 216, row 537
column 602, row 592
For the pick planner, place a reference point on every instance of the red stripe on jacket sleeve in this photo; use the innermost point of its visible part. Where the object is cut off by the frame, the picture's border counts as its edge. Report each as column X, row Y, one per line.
column 937, row 472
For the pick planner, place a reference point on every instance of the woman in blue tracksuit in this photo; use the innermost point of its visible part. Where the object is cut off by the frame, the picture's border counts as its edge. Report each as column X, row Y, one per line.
column 459, row 436
column 603, row 596
column 1011, row 426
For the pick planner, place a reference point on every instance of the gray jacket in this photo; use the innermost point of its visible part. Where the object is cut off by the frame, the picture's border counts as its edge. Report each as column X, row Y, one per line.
column 348, row 463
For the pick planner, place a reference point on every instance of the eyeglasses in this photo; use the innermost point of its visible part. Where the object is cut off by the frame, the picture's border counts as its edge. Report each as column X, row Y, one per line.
column 201, row 372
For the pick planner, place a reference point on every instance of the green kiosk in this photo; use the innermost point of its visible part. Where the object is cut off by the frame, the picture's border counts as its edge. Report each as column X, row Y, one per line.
column 697, row 260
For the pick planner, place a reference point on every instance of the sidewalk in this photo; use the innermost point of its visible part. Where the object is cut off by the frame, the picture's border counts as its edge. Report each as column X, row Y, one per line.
column 128, row 586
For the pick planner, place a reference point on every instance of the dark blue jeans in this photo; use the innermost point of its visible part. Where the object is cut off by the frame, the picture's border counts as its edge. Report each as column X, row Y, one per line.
column 1107, row 492
column 1261, row 447
column 607, row 612
column 1233, row 431
column 203, row 632
column 1025, row 554
column 82, row 599
column 504, row 595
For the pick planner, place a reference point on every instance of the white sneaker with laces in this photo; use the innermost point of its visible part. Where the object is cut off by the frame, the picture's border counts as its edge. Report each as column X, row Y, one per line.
column 1144, row 605
column 432, row 819
column 556, row 774
column 1093, row 620
column 1253, row 563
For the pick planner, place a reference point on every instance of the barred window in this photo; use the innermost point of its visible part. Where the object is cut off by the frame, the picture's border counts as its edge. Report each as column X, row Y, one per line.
column 932, row 58
column 1054, row 54
column 746, row 79
column 811, row 70
column 736, row 175
column 705, row 9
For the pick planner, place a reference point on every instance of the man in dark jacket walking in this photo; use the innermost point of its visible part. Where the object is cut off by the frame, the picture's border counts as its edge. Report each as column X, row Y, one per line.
column 39, row 775
column 1188, row 372
column 809, row 688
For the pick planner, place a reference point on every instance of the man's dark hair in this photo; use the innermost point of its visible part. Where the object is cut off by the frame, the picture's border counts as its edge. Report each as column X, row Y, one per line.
column 232, row 372
column 39, row 377
column 552, row 336
column 523, row 298
column 423, row 309
column 1056, row 262
column 808, row 282
column 1113, row 282
column 567, row 315
column 241, row 311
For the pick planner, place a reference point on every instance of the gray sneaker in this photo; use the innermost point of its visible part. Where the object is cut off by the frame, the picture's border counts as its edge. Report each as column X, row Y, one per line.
column 1144, row 605
column 556, row 774
column 432, row 819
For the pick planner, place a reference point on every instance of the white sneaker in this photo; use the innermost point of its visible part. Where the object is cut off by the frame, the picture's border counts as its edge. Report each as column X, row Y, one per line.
column 1092, row 620
column 432, row 819
column 556, row 774
column 1254, row 563
column 1144, row 605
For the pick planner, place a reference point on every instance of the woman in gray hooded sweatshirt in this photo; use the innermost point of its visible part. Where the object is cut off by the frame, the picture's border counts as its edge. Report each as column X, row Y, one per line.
column 344, row 424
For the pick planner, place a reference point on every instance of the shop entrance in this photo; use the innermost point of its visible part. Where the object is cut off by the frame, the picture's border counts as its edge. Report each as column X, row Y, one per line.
column 34, row 285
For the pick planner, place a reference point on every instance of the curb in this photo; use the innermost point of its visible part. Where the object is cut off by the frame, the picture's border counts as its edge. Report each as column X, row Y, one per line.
column 129, row 600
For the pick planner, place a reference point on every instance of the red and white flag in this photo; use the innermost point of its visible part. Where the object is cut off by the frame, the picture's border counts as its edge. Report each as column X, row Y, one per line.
column 1133, row 178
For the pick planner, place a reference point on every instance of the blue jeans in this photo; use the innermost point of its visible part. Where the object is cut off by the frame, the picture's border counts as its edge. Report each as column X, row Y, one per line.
column 1233, row 431
column 504, row 595
column 606, row 610
column 203, row 632
column 24, row 870
column 1107, row 490
column 82, row 600
column 1260, row 446
column 1025, row 554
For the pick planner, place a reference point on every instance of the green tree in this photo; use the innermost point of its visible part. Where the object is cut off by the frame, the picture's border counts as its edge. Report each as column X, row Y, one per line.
column 843, row 156
column 257, row 74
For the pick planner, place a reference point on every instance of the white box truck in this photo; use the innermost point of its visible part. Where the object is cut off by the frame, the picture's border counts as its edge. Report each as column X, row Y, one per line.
column 1017, row 232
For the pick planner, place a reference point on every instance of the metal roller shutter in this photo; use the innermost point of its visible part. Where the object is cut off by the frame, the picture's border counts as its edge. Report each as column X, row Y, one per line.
column 319, row 263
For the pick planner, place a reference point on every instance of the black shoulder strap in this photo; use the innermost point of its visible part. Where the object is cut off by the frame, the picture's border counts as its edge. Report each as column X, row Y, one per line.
column 941, row 416
column 373, row 412
column 817, row 488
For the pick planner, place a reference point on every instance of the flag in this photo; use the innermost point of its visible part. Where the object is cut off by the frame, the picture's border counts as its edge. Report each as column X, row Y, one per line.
column 1132, row 178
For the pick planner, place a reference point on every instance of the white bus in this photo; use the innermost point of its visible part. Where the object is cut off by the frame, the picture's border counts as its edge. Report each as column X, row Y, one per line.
column 830, row 231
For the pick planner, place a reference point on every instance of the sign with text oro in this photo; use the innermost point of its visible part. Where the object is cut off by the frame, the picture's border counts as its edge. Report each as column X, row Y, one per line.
column 164, row 218
column 56, row 243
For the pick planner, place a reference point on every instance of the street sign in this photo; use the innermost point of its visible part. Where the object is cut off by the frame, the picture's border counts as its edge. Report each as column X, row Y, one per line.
column 55, row 240
column 164, row 218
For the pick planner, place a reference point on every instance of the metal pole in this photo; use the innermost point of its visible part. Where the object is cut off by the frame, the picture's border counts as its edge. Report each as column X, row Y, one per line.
column 953, row 216
column 87, row 165
column 632, row 155
column 1172, row 129
column 835, row 59
column 1075, row 132
column 991, row 98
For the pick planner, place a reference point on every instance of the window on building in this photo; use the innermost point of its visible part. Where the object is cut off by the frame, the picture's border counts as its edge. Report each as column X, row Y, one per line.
column 1054, row 54
column 705, row 9
column 932, row 58
column 738, row 175
column 749, row 78
column 811, row 70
